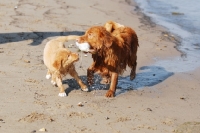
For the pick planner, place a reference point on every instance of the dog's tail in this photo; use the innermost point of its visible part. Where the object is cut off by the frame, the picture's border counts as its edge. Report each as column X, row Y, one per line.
column 111, row 26
column 67, row 38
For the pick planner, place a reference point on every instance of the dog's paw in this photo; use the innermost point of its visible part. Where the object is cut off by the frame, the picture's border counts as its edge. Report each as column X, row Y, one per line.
column 53, row 82
column 63, row 94
column 86, row 89
column 110, row 93
column 48, row 76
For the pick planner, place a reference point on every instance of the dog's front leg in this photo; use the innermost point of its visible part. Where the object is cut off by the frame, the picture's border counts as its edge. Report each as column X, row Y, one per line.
column 113, row 84
column 90, row 76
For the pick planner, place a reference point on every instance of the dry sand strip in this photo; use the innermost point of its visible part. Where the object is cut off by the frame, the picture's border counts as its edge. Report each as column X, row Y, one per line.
column 158, row 102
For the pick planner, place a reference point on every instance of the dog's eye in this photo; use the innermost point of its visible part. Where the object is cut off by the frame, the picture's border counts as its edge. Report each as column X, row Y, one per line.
column 89, row 35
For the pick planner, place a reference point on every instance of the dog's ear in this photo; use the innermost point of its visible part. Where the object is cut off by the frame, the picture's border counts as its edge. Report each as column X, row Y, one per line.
column 106, row 38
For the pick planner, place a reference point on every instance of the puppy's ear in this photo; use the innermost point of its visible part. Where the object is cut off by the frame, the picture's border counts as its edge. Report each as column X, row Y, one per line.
column 57, row 63
column 60, row 58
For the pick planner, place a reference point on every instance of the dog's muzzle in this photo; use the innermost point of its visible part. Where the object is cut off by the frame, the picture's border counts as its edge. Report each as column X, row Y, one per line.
column 83, row 46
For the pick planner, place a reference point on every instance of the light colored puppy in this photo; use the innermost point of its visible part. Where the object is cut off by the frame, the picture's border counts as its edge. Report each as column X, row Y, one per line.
column 59, row 62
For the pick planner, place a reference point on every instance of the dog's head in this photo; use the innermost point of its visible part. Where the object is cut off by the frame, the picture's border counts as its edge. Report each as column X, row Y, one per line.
column 97, row 37
column 64, row 59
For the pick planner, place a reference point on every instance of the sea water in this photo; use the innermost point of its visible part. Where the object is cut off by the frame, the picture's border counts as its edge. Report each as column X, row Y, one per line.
column 182, row 18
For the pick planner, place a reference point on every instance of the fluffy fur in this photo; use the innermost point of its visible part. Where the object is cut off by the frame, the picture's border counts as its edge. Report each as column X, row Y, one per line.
column 113, row 47
column 59, row 62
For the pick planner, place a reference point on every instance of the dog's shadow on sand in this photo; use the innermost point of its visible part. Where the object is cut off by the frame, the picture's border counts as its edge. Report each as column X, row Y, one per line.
column 36, row 37
column 147, row 77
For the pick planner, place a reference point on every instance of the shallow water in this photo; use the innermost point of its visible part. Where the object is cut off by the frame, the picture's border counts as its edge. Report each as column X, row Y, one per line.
column 147, row 77
column 182, row 18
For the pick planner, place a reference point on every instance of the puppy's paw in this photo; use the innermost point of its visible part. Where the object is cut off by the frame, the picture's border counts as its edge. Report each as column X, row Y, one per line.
column 53, row 82
column 86, row 89
column 48, row 76
column 63, row 94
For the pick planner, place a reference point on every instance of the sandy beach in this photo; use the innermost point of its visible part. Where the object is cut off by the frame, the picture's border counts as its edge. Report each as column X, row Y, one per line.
column 158, row 101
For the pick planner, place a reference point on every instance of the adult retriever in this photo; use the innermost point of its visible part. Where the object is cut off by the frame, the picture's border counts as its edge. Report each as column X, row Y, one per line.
column 113, row 47
column 59, row 62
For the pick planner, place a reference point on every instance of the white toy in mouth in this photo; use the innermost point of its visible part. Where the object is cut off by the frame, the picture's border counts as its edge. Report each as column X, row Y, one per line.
column 83, row 46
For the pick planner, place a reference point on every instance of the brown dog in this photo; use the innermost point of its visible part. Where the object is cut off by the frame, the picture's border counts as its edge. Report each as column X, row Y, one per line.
column 113, row 47
column 59, row 62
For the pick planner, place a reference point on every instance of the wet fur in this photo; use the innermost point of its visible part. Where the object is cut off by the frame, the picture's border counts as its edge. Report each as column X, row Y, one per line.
column 113, row 47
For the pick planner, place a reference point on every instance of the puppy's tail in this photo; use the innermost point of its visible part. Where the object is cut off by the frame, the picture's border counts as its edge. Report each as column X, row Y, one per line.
column 67, row 38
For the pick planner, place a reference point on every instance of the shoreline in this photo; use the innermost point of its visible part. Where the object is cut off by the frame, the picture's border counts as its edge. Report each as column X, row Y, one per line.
column 159, row 100
column 146, row 20
column 188, row 53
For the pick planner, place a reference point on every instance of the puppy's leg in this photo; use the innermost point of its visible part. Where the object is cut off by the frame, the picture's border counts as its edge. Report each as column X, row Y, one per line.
column 60, row 86
column 113, row 84
column 48, row 75
column 52, row 76
column 53, row 79
column 74, row 74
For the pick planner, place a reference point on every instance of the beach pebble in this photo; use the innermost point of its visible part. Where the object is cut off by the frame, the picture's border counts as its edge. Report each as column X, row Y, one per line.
column 51, row 120
column 148, row 109
column 1, row 120
column 42, row 130
column 80, row 104
column 27, row 61
column 182, row 98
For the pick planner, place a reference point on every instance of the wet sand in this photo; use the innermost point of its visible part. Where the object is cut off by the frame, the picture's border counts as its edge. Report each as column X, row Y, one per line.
column 156, row 101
